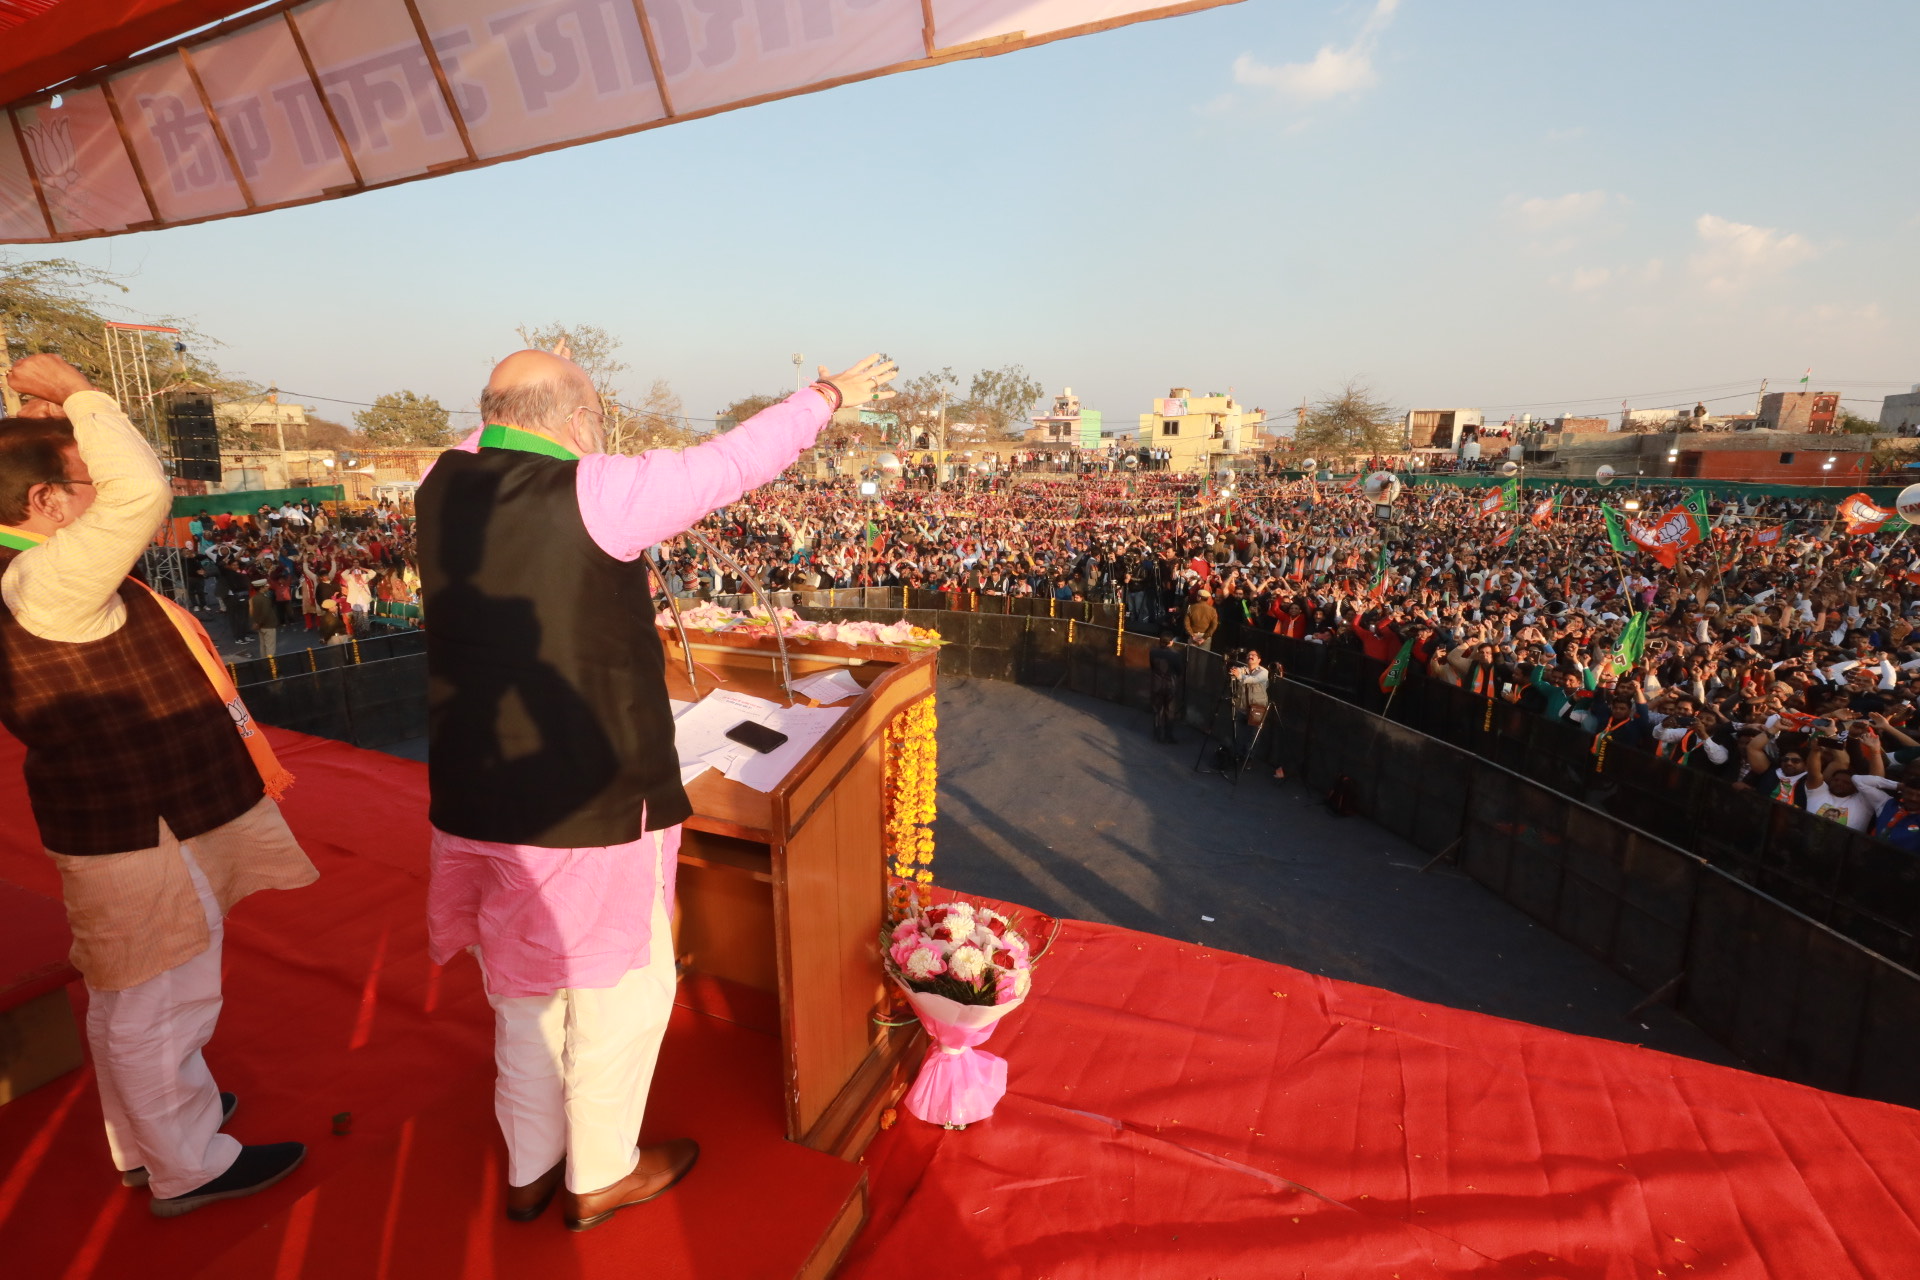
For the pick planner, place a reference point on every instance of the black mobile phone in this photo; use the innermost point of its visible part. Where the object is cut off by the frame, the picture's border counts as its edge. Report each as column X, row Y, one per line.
column 757, row 736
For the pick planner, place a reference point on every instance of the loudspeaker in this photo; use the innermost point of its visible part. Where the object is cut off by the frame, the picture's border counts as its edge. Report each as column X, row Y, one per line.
column 192, row 434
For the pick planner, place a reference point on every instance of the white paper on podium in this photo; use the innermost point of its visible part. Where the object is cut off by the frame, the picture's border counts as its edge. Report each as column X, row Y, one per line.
column 700, row 737
column 702, row 728
column 836, row 685
column 804, row 726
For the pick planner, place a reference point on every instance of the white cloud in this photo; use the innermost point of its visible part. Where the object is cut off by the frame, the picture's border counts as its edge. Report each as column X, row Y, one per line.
column 1593, row 279
column 1332, row 72
column 1543, row 212
column 1734, row 255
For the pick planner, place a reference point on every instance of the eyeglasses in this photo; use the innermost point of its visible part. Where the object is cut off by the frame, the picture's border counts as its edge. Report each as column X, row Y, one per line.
column 64, row 480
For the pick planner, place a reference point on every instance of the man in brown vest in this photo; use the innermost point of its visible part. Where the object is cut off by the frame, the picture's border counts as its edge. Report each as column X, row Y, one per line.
column 150, row 784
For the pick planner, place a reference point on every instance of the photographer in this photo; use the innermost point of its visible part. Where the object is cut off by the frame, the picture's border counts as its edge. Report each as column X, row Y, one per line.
column 1247, row 684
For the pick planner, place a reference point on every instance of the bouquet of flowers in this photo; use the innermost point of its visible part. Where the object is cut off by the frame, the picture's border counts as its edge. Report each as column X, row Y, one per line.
column 964, row 968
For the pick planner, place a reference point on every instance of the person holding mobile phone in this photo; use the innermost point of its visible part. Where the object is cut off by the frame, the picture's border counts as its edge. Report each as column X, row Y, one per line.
column 555, row 795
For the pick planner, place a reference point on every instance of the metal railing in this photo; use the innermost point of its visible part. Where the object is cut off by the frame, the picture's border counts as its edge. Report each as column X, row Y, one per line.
column 1855, row 883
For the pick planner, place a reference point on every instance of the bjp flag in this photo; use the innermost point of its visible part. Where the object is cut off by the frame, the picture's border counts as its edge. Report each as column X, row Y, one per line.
column 1862, row 515
column 1665, row 537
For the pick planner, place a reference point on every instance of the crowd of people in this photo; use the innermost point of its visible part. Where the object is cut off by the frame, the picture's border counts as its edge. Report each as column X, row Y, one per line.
column 299, row 567
column 1780, row 652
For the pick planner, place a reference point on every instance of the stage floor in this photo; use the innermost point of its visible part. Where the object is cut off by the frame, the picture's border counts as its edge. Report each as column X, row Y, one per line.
column 1175, row 1111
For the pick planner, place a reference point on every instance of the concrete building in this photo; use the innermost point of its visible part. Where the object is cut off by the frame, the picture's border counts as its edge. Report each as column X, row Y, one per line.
column 1440, row 428
column 1900, row 414
column 1768, row 457
column 264, row 417
column 1580, row 426
column 1069, row 424
column 1199, row 431
column 1810, row 411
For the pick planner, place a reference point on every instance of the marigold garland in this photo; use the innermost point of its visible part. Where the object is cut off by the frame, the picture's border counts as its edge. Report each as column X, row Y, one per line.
column 912, row 756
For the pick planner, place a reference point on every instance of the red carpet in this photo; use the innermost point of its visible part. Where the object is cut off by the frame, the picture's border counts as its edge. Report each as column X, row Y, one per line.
column 1174, row 1113
column 331, row 1005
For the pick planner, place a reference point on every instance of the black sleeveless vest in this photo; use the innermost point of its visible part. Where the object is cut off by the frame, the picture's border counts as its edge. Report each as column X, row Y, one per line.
column 547, row 712
column 121, row 732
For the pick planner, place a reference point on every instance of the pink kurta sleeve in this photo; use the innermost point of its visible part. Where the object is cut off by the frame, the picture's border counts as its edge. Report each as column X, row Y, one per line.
column 630, row 502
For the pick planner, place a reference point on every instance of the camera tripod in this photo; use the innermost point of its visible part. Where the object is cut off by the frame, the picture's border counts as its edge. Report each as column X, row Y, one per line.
column 1207, row 738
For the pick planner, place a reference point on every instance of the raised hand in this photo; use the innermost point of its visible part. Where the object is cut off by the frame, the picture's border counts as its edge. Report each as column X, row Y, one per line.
column 47, row 377
column 864, row 382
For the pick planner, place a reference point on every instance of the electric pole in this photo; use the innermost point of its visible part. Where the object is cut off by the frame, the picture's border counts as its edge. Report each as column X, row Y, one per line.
column 940, row 467
column 799, row 364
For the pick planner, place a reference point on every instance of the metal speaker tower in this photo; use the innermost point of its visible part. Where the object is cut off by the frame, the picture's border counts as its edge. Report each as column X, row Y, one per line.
column 130, row 365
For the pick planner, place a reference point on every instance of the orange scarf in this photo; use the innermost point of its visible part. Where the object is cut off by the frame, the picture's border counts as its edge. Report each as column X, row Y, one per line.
column 273, row 776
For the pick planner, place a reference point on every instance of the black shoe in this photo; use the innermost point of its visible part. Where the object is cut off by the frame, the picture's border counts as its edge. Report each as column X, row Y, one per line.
column 257, row 1169
column 229, row 1103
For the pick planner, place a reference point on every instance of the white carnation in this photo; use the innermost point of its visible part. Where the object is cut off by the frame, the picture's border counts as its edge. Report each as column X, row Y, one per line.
column 924, row 963
column 968, row 963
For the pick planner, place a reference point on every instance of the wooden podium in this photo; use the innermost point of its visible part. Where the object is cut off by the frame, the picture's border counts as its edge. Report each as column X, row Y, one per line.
column 782, row 892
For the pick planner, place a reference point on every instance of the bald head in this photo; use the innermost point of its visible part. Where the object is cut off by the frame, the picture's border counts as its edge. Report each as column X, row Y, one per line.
column 539, row 391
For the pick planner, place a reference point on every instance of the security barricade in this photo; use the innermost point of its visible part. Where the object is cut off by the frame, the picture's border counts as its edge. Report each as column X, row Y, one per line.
column 1517, row 803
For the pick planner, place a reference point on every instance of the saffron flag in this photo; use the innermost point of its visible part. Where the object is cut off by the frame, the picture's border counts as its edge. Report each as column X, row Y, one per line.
column 1862, row 515
column 1396, row 672
column 1767, row 537
column 1504, row 497
column 1506, row 536
column 1543, row 512
column 1666, row 536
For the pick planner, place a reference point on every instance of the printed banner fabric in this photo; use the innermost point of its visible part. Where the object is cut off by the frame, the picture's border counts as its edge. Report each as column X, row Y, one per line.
column 334, row 97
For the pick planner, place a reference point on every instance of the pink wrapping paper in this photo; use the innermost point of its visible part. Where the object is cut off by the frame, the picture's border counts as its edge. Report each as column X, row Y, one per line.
column 958, row 1084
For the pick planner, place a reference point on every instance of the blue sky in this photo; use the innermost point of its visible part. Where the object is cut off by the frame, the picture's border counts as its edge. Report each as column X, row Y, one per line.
column 1539, row 206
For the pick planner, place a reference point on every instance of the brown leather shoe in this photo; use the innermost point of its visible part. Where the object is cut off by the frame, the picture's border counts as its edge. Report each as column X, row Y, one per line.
column 524, row 1204
column 659, row 1168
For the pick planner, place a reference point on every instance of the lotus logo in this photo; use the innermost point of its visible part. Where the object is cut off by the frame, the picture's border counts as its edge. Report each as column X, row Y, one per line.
column 50, row 145
column 1670, row 531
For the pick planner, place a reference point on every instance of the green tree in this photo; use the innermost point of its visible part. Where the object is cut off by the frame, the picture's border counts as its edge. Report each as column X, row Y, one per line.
column 655, row 421
column 743, row 408
column 402, row 419
column 1855, row 425
column 589, row 346
column 54, row 305
column 919, row 401
column 1352, row 422
column 1002, row 399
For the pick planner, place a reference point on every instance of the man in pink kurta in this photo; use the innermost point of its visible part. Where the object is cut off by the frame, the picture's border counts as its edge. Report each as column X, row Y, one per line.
column 556, row 795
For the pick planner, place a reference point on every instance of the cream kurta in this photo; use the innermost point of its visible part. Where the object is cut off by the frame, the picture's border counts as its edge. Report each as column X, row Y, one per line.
column 134, row 915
